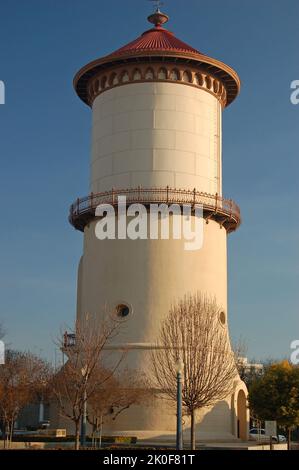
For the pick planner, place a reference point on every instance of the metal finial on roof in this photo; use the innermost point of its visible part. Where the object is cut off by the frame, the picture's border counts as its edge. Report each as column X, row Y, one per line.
column 158, row 18
column 158, row 4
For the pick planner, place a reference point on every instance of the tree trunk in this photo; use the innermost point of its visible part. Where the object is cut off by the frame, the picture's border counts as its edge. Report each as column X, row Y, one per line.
column 77, row 435
column 94, row 433
column 7, row 436
column 11, row 431
column 193, row 444
column 5, row 430
column 289, row 438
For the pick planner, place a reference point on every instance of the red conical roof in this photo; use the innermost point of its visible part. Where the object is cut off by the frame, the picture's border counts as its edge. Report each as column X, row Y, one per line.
column 158, row 44
column 157, row 39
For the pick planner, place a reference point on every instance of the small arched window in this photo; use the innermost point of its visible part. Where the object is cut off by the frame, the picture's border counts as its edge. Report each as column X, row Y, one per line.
column 186, row 77
column 149, row 74
column 96, row 86
column 174, row 75
column 208, row 82
column 199, row 79
column 104, row 82
column 162, row 74
column 113, row 79
column 125, row 77
column 216, row 86
column 137, row 75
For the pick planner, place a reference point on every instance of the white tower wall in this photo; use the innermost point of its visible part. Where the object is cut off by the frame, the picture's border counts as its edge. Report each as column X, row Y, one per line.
column 156, row 135
column 149, row 276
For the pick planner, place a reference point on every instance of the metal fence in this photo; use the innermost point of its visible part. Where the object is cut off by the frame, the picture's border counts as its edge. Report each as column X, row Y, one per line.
column 212, row 203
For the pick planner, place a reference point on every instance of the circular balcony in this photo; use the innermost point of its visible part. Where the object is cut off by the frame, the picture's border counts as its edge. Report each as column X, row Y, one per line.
column 225, row 212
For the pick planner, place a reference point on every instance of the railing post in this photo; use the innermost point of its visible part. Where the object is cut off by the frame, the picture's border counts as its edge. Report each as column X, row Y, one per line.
column 216, row 202
column 194, row 197
column 65, row 339
column 167, row 194
column 112, row 196
column 91, row 200
column 78, row 206
column 139, row 191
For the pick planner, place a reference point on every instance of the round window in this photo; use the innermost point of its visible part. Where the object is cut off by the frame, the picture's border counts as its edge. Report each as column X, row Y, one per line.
column 222, row 318
column 122, row 310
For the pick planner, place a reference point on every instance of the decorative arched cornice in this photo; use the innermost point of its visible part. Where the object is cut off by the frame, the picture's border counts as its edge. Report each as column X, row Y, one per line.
column 169, row 72
column 193, row 62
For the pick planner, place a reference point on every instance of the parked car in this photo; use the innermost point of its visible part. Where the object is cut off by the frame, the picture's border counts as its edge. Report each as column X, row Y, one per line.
column 44, row 424
column 257, row 434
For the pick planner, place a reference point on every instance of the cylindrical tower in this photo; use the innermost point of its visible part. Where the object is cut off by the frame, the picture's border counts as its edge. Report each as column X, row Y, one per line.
column 156, row 137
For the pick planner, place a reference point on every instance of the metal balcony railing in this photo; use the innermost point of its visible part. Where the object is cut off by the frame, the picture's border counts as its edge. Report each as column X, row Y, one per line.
column 225, row 211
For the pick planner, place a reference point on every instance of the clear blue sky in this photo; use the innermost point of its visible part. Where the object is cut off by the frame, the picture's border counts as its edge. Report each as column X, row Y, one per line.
column 45, row 147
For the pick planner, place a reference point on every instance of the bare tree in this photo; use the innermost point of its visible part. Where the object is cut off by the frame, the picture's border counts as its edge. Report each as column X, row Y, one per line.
column 21, row 378
column 133, row 389
column 78, row 379
column 248, row 372
column 194, row 333
column 118, row 394
column 100, row 405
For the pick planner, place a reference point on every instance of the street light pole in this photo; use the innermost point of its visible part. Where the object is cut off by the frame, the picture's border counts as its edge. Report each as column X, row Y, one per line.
column 84, row 372
column 179, row 431
column 84, row 420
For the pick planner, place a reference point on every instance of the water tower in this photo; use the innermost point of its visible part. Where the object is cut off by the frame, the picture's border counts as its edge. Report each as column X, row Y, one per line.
column 157, row 138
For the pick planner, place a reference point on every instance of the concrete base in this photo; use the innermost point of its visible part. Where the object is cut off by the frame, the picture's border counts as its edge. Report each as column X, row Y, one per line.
column 207, row 446
column 223, row 422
